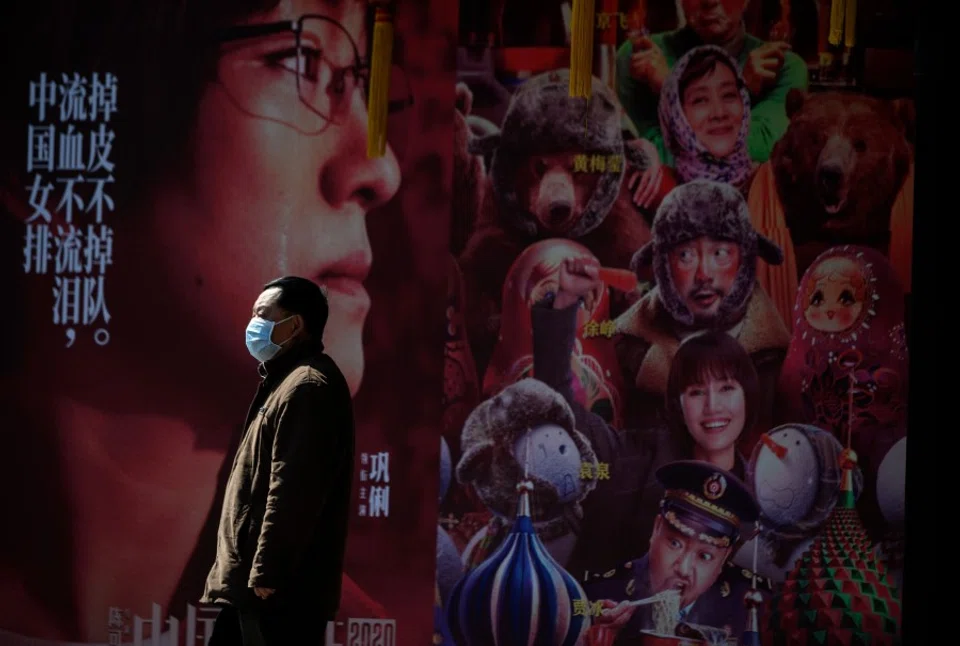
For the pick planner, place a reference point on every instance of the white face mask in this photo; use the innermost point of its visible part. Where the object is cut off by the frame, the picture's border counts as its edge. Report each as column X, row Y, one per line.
column 259, row 343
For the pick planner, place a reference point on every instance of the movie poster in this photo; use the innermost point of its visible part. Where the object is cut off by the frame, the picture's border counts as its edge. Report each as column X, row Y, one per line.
column 161, row 162
column 676, row 355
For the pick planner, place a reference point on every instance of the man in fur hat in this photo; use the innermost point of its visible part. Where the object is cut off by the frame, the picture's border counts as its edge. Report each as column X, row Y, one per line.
column 703, row 252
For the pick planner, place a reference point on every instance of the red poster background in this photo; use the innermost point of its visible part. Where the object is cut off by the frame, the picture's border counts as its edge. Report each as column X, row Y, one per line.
column 390, row 561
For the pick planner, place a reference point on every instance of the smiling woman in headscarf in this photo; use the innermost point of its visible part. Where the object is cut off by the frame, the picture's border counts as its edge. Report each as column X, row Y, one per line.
column 705, row 117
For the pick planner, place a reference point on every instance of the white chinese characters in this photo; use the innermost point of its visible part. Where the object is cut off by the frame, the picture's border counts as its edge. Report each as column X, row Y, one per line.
column 375, row 485
column 69, row 162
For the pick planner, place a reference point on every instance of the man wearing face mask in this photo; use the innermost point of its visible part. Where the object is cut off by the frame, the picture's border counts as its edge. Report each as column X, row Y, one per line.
column 283, row 525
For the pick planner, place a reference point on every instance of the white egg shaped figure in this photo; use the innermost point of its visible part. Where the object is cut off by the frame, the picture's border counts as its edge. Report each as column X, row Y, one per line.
column 794, row 476
column 554, row 458
column 891, row 484
column 786, row 476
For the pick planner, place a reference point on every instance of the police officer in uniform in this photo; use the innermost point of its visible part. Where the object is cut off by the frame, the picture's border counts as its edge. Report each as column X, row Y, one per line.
column 698, row 529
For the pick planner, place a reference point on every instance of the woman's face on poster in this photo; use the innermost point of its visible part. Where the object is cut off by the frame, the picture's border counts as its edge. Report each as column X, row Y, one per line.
column 713, row 107
column 715, row 412
column 278, row 181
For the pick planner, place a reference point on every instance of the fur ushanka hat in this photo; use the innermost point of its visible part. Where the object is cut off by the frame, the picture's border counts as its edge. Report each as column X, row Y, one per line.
column 705, row 208
column 543, row 119
column 488, row 439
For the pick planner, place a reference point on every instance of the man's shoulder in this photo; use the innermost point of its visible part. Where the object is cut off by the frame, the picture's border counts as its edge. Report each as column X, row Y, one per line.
column 751, row 42
column 673, row 43
column 794, row 69
column 314, row 374
column 736, row 579
column 646, row 319
column 794, row 73
column 618, row 583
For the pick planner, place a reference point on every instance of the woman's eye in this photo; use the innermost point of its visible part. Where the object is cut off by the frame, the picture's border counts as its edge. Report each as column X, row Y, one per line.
column 304, row 62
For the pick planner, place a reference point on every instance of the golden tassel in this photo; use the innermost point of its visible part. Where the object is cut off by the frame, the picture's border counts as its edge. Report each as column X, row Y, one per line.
column 381, row 60
column 837, row 11
column 582, row 28
column 850, row 24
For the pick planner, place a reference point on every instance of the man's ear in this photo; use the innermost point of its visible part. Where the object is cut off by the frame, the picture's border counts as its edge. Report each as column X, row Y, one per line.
column 299, row 325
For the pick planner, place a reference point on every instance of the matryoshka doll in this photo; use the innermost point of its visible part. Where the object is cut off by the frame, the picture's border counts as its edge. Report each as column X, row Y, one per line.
column 847, row 366
column 848, row 321
column 534, row 274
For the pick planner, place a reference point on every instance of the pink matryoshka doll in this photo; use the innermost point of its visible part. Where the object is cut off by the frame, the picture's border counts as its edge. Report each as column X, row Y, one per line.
column 849, row 321
column 534, row 274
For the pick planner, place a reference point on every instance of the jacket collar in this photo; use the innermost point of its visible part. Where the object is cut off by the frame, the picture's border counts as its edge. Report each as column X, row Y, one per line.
column 281, row 366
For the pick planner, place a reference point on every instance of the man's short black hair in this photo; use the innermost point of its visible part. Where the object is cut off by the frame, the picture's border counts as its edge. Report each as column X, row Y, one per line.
column 304, row 297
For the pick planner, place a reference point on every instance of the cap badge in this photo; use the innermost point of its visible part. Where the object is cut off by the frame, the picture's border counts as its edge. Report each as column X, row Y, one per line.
column 714, row 486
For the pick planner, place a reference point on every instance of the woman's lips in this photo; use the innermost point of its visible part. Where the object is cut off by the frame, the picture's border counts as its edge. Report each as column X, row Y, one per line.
column 347, row 294
column 721, row 131
column 715, row 426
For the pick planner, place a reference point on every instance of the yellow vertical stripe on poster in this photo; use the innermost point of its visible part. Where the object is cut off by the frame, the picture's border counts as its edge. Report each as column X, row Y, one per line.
column 581, row 47
column 379, row 93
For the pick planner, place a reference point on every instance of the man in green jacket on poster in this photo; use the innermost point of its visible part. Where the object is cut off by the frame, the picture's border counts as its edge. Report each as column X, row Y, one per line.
column 770, row 71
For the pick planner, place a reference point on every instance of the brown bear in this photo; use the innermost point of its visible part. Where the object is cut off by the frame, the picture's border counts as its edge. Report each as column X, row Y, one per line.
column 536, row 191
column 839, row 168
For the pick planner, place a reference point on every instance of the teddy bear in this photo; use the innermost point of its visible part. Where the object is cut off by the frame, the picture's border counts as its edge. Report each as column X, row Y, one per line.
column 558, row 168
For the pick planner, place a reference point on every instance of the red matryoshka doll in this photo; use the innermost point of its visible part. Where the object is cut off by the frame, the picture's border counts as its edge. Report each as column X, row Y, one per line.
column 847, row 365
column 534, row 274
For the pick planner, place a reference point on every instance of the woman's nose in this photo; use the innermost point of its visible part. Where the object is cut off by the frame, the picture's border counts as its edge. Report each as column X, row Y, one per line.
column 710, row 401
column 352, row 176
column 717, row 109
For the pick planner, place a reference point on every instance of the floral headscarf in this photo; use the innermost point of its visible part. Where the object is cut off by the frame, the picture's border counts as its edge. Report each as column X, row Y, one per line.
column 691, row 159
